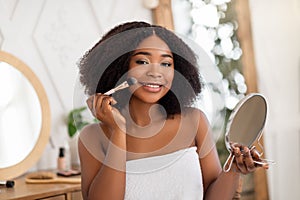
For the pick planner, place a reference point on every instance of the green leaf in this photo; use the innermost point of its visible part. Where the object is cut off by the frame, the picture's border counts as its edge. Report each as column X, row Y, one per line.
column 75, row 120
column 71, row 129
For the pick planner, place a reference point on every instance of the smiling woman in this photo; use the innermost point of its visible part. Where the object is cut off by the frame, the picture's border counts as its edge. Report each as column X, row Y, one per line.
column 24, row 117
column 150, row 131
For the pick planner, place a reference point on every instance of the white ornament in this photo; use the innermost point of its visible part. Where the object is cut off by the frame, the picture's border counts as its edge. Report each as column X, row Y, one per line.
column 151, row 4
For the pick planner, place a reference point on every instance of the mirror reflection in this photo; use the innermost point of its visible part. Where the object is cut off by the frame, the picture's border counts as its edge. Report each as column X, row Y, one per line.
column 25, row 117
column 20, row 116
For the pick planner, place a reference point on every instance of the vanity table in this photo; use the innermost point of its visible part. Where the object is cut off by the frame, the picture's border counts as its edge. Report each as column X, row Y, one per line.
column 55, row 191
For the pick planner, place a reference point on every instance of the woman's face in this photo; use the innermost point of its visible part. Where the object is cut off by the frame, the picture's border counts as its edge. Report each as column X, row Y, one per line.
column 152, row 65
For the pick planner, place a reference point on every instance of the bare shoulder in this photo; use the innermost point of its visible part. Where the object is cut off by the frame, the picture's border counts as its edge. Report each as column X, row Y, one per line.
column 195, row 114
column 91, row 131
column 90, row 128
column 200, row 122
column 93, row 139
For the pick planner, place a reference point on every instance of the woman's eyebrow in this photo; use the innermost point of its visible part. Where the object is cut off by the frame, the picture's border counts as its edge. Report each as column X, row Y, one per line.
column 149, row 54
column 142, row 53
column 167, row 55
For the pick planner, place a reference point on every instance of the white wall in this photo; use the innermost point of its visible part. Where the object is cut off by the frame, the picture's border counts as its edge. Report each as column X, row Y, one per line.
column 50, row 36
column 276, row 31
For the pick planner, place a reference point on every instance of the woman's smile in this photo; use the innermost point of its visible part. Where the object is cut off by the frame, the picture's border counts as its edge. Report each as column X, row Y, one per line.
column 152, row 86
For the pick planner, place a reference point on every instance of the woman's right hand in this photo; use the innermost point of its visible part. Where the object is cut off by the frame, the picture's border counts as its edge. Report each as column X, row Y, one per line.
column 102, row 108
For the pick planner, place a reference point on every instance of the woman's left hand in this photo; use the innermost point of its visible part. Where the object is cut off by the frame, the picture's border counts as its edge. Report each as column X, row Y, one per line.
column 245, row 159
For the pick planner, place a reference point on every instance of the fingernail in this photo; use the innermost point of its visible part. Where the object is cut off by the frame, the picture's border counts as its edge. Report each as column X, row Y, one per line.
column 246, row 149
column 236, row 150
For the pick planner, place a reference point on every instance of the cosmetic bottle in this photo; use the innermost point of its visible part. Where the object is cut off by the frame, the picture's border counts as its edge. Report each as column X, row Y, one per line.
column 61, row 160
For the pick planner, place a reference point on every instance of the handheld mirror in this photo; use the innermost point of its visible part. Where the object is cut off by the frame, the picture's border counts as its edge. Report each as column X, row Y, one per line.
column 245, row 125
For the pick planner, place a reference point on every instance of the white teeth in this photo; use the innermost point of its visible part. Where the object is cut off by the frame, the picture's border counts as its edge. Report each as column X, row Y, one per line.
column 152, row 86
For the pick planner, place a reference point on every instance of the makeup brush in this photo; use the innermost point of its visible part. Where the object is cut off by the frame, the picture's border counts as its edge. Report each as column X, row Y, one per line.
column 130, row 81
column 8, row 184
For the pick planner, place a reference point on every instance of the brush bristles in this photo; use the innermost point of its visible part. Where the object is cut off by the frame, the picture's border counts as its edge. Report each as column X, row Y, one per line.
column 131, row 81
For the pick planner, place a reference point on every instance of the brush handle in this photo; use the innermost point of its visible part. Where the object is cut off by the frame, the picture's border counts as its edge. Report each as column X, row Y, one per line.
column 119, row 87
column 110, row 92
column 8, row 184
column 54, row 180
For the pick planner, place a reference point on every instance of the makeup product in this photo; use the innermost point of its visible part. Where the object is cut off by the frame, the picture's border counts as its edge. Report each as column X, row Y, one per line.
column 68, row 173
column 130, row 81
column 8, row 184
column 61, row 160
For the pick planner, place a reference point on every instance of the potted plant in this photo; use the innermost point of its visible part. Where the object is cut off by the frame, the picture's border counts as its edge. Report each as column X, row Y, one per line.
column 75, row 122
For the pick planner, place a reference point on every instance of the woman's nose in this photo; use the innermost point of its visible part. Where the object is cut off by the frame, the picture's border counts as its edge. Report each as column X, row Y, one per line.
column 154, row 71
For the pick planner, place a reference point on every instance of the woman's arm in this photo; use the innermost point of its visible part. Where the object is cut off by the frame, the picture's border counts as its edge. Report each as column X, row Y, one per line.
column 104, row 181
column 218, row 184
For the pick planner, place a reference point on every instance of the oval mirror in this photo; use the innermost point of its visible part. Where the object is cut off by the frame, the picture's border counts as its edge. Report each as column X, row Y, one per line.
column 24, row 117
column 246, row 124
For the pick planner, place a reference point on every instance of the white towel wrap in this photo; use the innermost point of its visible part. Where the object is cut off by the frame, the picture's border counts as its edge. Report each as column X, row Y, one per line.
column 171, row 176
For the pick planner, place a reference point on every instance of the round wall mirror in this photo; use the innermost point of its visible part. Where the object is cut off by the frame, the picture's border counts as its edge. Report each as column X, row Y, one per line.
column 24, row 117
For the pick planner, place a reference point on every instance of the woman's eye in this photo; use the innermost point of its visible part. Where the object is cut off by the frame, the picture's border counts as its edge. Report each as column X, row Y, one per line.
column 141, row 62
column 166, row 64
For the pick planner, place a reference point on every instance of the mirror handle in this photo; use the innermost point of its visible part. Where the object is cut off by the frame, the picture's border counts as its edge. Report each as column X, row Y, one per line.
column 227, row 165
column 261, row 148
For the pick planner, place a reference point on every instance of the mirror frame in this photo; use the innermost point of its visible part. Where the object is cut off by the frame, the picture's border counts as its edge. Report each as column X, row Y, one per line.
column 235, row 112
column 21, row 167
